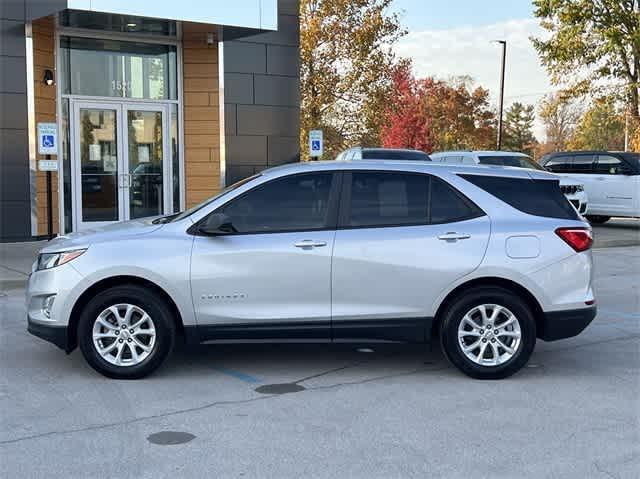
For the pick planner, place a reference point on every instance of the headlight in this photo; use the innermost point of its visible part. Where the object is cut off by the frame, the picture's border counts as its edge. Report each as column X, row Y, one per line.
column 579, row 188
column 51, row 260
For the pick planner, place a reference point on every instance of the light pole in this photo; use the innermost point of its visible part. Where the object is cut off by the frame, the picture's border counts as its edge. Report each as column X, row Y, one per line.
column 501, row 101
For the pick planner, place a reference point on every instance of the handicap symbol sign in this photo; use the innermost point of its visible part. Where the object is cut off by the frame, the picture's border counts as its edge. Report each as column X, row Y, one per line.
column 48, row 141
column 315, row 145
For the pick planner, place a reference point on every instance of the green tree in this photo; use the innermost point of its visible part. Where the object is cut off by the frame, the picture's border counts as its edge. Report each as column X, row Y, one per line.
column 559, row 115
column 601, row 128
column 591, row 41
column 346, row 69
column 518, row 128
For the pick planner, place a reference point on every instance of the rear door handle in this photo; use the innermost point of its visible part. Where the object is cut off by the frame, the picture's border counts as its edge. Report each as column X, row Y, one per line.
column 308, row 244
column 452, row 237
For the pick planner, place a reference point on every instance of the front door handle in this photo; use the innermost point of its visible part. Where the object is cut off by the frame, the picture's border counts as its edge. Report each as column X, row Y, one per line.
column 452, row 236
column 308, row 244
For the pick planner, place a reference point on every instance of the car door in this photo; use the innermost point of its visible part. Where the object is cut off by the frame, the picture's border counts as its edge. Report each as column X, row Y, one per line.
column 402, row 238
column 271, row 276
column 616, row 186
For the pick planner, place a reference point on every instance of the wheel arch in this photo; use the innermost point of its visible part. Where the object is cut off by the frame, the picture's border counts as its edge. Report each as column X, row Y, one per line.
column 507, row 284
column 91, row 291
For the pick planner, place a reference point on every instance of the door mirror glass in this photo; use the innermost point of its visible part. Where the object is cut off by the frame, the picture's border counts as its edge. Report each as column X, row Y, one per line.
column 217, row 224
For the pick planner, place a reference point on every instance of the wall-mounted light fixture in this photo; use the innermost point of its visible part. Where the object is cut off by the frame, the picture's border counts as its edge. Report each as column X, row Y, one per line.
column 48, row 77
column 210, row 39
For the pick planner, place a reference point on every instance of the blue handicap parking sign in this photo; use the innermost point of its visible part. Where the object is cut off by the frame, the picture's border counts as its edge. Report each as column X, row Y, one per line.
column 48, row 141
column 315, row 145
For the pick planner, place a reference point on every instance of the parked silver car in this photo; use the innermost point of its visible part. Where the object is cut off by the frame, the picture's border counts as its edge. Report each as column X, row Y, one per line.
column 490, row 259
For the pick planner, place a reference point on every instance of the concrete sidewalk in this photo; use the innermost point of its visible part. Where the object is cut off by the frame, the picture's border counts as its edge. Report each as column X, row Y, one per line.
column 15, row 263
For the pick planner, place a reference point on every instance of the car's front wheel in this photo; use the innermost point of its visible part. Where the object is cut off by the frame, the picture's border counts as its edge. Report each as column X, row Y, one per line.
column 126, row 332
column 598, row 219
column 489, row 333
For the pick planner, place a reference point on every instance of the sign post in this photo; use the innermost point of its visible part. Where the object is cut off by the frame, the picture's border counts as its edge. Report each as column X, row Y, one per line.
column 316, row 146
column 48, row 145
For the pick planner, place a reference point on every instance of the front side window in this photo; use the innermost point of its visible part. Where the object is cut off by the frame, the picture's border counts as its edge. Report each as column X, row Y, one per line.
column 559, row 164
column 582, row 164
column 380, row 199
column 292, row 203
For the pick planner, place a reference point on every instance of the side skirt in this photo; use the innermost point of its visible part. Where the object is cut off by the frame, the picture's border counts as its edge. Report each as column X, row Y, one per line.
column 412, row 330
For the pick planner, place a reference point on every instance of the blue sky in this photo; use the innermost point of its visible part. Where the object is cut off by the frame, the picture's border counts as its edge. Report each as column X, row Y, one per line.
column 449, row 38
column 438, row 14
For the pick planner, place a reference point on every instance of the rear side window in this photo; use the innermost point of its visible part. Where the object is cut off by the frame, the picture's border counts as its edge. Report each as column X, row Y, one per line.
column 388, row 199
column 379, row 199
column 610, row 165
column 535, row 197
column 447, row 205
column 394, row 155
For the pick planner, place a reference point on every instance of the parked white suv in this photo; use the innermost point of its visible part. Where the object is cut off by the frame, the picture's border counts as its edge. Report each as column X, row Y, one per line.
column 488, row 258
column 571, row 187
column 611, row 179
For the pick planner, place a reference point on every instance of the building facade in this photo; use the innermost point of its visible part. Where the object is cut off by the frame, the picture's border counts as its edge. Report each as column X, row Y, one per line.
column 158, row 105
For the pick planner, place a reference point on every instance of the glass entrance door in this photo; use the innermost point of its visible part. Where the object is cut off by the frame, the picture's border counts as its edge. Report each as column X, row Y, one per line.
column 146, row 167
column 120, row 162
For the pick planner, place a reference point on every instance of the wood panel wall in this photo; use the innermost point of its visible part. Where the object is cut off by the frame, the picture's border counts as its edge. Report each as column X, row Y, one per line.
column 201, row 113
column 45, row 111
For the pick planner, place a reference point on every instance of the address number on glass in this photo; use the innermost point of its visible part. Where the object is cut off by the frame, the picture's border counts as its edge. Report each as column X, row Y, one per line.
column 120, row 85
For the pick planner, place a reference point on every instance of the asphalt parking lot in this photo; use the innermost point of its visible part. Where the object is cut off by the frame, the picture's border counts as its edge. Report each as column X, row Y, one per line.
column 391, row 412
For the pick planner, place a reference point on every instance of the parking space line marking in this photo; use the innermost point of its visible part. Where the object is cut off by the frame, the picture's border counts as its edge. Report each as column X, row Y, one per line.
column 238, row 375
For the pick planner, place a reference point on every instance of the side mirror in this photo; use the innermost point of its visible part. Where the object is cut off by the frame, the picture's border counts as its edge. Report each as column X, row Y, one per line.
column 217, row 224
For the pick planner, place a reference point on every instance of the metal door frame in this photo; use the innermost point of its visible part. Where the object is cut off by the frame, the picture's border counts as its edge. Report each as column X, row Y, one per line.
column 123, row 177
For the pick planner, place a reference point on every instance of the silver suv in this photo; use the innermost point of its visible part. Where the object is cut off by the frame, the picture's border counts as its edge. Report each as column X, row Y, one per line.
column 488, row 259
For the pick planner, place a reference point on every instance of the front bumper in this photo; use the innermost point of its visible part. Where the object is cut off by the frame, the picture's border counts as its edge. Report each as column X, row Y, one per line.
column 52, row 333
column 565, row 324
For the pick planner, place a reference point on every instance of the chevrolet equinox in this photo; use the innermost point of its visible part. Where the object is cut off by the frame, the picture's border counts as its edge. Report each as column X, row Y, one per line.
column 486, row 259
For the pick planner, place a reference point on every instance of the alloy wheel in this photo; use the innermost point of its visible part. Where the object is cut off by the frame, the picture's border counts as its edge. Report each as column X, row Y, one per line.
column 489, row 335
column 124, row 335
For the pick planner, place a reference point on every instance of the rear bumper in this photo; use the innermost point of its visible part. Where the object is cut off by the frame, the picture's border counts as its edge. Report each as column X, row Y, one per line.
column 54, row 334
column 565, row 324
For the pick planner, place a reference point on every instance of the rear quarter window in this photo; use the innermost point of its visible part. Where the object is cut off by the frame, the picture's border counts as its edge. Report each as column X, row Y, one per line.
column 535, row 197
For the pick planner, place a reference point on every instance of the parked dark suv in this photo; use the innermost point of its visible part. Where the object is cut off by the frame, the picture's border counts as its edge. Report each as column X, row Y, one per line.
column 611, row 180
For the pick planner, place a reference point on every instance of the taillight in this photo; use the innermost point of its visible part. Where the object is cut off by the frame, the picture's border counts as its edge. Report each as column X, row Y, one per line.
column 580, row 239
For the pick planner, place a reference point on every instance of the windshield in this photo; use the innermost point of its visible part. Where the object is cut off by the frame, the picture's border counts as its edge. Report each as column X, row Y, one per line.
column 506, row 160
column 198, row 207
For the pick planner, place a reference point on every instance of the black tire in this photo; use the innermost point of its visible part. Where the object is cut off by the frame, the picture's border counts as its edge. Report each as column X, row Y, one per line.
column 454, row 315
column 597, row 219
column 144, row 298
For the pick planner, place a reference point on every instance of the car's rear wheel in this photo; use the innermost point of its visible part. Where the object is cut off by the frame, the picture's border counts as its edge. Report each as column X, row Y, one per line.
column 598, row 219
column 489, row 333
column 126, row 332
